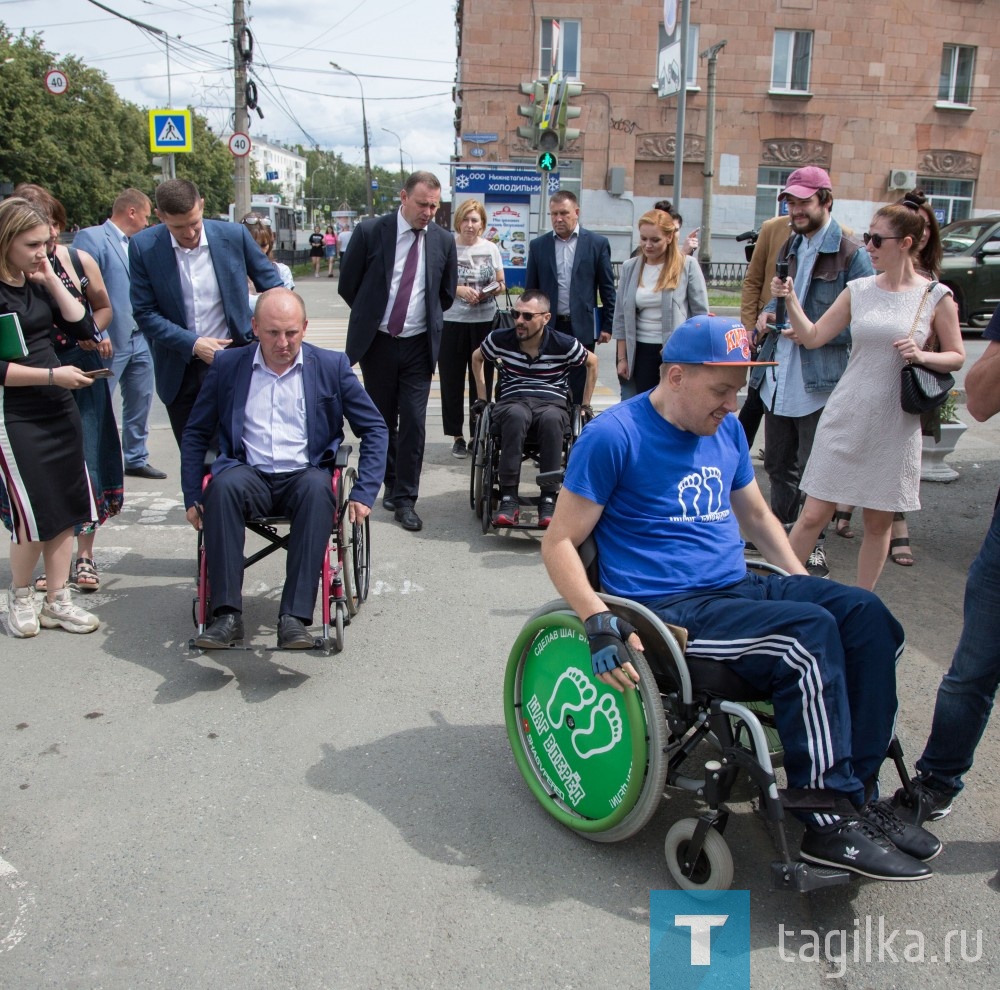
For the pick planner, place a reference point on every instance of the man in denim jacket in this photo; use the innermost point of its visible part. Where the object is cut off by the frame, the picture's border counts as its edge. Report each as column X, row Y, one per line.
column 821, row 261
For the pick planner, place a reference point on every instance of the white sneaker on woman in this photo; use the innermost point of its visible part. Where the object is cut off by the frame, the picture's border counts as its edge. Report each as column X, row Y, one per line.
column 62, row 612
column 22, row 619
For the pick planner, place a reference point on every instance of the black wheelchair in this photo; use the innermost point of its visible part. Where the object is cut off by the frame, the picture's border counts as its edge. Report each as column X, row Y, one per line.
column 598, row 760
column 346, row 575
column 484, row 483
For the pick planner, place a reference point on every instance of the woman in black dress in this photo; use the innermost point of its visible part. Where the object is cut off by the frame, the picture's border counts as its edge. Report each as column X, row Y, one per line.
column 41, row 444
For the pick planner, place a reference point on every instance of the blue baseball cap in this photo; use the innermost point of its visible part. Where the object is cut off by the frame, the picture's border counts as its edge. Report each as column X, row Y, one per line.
column 718, row 340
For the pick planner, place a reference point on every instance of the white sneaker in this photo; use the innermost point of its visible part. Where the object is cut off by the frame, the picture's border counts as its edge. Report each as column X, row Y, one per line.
column 62, row 612
column 22, row 619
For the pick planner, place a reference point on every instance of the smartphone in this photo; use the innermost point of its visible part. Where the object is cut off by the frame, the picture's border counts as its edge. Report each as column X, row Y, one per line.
column 100, row 373
column 492, row 287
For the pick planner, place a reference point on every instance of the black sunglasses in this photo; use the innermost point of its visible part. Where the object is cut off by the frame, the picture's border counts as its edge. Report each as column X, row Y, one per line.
column 877, row 239
column 527, row 317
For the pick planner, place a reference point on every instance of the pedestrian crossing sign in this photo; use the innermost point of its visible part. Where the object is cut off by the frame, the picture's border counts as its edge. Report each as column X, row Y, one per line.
column 169, row 130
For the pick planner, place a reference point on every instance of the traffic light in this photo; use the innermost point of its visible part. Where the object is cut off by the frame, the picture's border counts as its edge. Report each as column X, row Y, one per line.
column 568, row 112
column 547, row 161
column 533, row 110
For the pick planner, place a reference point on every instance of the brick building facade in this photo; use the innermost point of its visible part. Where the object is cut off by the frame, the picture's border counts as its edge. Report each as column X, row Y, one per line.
column 883, row 94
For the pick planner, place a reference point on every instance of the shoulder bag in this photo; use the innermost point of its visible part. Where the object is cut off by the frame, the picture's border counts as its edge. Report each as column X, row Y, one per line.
column 920, row 388
column 503, row 319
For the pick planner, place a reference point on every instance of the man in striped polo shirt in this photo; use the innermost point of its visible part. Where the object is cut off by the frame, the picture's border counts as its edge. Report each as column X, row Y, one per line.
column 534, row 363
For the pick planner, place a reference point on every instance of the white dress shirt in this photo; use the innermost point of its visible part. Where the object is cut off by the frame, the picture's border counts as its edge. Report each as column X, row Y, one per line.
column 200, row 291
column 275, row 419
column 565, row 255
column 416, row 312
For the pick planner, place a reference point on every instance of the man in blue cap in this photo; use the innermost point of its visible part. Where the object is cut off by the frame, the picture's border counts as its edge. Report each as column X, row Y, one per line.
column 665, row 484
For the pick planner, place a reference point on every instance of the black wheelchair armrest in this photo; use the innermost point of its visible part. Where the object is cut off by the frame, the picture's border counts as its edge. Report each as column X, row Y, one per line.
column 343, row 457
column 547, row 479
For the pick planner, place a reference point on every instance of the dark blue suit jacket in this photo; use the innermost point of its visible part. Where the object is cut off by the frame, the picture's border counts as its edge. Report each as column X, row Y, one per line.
column 332, row 392
column 366, row 277
column 592, row 275
column 158, row 306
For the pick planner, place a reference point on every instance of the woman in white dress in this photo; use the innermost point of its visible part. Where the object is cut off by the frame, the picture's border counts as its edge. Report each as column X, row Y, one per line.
column 867, row 450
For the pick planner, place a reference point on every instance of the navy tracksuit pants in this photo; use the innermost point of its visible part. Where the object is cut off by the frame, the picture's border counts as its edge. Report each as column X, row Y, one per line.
column 827, row 654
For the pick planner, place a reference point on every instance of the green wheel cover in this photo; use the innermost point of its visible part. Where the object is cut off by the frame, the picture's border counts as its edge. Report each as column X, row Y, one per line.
column 552, row 654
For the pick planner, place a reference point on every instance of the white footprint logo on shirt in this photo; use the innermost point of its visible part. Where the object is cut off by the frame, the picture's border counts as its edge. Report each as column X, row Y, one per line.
column 688, row 494
column 713, row 482
column 603, row 733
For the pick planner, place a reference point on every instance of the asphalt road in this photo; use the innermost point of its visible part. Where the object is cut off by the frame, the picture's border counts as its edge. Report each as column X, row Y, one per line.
column 263, row 819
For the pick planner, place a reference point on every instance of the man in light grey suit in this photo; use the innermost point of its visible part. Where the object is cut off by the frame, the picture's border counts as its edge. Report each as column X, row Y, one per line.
column 131, row 362
column 189, row 292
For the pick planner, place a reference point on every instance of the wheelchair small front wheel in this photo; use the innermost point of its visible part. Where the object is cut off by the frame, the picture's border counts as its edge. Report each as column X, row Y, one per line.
column 338, row 626
column 713, row 869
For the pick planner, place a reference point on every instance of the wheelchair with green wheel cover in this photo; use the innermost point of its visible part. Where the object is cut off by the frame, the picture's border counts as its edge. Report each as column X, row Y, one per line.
column 598, row 760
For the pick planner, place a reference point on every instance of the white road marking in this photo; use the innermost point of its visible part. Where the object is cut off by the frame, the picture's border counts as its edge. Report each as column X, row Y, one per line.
column 23, row 901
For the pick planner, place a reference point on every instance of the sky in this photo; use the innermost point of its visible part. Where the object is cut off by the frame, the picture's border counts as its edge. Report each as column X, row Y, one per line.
column 304, row 100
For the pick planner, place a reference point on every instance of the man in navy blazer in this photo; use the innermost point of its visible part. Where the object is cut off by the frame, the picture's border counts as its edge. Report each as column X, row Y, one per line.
column 572, row 266
column 278, row 408
column 189, row 292
column 131, row 362
column 399, row 275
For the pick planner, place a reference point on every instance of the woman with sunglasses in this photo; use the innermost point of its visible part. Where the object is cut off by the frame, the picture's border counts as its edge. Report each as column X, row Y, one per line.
column 867, row 450
column 262, row 232
column 657, row 291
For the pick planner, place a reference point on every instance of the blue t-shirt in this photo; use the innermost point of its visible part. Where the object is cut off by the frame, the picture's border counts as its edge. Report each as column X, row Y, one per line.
column 667, row 526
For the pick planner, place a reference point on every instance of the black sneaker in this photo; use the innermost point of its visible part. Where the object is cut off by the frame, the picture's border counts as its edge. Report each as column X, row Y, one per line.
column 546, row 507
column 911, row 839
column 855, row 844
column 928, row 804
column 508, row 512
column 816, row 564
column 459, row 448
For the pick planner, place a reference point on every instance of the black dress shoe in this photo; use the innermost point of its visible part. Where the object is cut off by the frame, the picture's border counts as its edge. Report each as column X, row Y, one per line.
column 407, row 517
column 389, row 503
column 293, row 635
column 221, row 632
column 146, row 471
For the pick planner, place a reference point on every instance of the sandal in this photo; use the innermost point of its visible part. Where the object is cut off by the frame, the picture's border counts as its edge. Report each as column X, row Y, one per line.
column 904, row 558
column 843, row 530
column 87, row 578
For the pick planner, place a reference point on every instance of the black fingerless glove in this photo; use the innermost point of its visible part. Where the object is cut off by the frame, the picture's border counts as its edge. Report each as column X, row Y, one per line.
column 607, row 635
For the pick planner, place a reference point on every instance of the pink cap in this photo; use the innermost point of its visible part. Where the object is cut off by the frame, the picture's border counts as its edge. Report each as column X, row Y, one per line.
column 805, row 182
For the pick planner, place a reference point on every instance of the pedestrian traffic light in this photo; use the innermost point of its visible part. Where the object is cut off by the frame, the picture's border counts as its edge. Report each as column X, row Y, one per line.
column 568, row 112
column 533, row 110
column 547, row 161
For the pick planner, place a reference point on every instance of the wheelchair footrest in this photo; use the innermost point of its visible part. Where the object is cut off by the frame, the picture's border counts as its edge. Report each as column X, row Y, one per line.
column 805, row 877
column 805, row 799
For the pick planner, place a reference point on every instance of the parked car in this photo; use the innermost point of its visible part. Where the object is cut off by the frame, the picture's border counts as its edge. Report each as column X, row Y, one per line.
column 971, row 266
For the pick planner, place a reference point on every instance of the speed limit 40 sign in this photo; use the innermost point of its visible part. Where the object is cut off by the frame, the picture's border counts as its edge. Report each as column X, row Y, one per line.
column 239, row 144
column 56, row 82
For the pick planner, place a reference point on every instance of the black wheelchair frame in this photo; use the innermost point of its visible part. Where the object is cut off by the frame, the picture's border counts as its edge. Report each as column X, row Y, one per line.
column 484, row 482
column 346, row 575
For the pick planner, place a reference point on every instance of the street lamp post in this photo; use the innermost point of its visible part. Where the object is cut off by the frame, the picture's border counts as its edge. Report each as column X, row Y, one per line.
column 364, row 127
column 402, row 175
column 312, row 190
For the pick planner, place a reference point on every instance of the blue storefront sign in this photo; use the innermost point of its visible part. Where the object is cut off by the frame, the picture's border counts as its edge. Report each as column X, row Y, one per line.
column 478, row 181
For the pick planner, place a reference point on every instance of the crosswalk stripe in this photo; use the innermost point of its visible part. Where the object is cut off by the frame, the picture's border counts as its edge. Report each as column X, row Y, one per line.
column 332, row 333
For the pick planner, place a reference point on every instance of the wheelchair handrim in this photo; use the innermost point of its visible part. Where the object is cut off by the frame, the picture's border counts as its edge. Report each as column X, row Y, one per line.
column 519, row 742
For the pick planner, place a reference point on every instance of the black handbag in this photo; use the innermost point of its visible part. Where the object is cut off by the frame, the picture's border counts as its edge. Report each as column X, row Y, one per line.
column 921, row 389
column 503, row 319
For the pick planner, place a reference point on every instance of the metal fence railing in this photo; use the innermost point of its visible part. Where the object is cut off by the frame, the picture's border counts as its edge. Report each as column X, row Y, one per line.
column 720, row 274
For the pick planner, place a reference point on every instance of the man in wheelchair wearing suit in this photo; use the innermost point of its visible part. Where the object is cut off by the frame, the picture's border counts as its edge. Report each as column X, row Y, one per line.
column 534, row 365
column 279, row 407
column 665, row 484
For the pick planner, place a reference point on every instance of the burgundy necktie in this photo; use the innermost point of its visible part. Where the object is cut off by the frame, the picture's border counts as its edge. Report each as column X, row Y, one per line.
column 397, row 316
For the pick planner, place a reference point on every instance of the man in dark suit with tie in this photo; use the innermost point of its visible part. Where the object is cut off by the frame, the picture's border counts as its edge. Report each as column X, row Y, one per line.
column 189, row 292
column 572, row 266
column 399, row 275
column 279, row 408
column 131, row 362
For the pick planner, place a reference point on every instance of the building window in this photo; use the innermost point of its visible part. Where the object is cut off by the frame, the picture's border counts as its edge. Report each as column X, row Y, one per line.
column 560, row 51
column 792, row 57
column 950, row 199
column 957, row 65
column 770, row 182
column 692, row 53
